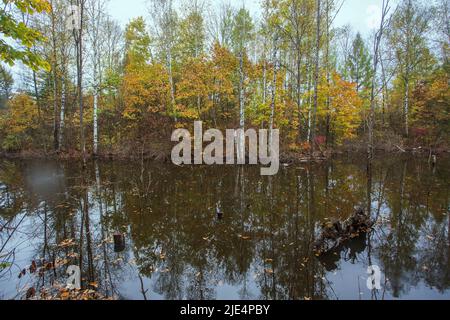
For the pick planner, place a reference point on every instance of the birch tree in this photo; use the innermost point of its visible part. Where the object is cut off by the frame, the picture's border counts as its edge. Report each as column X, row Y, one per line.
column 166, row 25
column 410, row 24
column 220, row 25
column 316, row 79
column 54, row 64
column 242, row 35
column 78, row 29
column 384, row 22
column 96, row 19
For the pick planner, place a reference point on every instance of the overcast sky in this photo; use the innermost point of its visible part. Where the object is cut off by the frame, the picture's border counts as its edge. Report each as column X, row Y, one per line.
column 362, row 15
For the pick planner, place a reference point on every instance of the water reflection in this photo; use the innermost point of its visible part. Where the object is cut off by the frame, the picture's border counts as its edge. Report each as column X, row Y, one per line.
column 225, row 232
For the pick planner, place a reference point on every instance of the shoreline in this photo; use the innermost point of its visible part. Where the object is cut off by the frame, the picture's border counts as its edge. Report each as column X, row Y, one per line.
column 285, row 157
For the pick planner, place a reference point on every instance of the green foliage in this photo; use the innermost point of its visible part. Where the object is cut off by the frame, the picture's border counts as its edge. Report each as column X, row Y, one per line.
column 137, row 42
column 24, row 36
column 358, row 68
column 6, row 83
column 431, row 108
column 243, row 30
column 18, row 122
column 192, row 34
column 4, row 265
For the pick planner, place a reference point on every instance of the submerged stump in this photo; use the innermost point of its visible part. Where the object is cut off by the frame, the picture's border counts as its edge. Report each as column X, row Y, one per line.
column 335, row 233
column 119, row 242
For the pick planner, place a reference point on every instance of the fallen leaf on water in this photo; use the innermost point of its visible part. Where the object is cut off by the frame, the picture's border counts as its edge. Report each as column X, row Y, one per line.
column 269, row 260
column 48, row 266
column 30, row 293
column 33, row 267
column 268, row 271
column 93, row 284
column 22, row 273
column 61, row 262
column 67, row 243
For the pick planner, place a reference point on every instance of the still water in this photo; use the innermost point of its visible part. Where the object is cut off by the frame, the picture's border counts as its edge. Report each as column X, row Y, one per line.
column 225, row 232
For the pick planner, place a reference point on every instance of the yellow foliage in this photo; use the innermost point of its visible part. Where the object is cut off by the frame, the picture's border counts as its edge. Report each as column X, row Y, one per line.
column 22, row 114
column 145, row 90
column 20, row 117
column 344, row 106
column 431, row 107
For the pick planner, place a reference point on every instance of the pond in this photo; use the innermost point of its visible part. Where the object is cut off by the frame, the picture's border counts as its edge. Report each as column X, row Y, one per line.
column 225, row 232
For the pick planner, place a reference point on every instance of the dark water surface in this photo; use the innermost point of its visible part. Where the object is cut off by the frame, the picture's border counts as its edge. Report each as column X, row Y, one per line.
column 225, row 232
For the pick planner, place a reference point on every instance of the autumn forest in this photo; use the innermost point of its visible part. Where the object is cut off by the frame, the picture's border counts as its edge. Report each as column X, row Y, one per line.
column 91, row 207
column 103, row 90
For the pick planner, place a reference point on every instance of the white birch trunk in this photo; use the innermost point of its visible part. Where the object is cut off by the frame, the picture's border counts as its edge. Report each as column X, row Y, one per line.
column 274, row 94
column 62, row 114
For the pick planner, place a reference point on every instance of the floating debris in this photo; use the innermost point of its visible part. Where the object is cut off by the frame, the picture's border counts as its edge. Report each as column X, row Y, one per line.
column 119, row 242
column 336, row 233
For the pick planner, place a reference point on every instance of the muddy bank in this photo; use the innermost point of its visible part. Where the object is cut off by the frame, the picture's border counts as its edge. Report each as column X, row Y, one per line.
column 164, row 154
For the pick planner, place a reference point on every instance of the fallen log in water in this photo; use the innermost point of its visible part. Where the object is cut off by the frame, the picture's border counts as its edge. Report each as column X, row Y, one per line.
column 334, row 234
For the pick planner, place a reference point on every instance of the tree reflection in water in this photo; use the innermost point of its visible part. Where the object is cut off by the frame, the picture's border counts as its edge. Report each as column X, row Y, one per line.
column 224, row 232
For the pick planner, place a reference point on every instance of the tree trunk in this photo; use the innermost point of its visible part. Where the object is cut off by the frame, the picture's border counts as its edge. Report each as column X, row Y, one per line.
column 274, row 93
column 79, row 42
column 62, row 115
column 36, row 93
column 406, row 107
column 55, row 92
column 378, row 37
column 95, row 142
column 327, row 66
column 309, row 106
column 171, row 82
column 299, row 95
column 241, row 147
column 316, row 82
